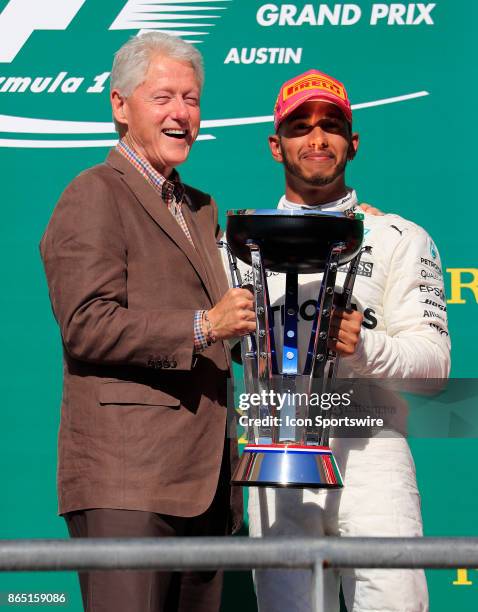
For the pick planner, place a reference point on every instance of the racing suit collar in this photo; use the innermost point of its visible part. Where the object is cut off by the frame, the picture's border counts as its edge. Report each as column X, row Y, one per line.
column 347, row 203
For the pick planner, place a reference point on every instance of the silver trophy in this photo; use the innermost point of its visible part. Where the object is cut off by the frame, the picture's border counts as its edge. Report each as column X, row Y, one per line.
column 291, row 242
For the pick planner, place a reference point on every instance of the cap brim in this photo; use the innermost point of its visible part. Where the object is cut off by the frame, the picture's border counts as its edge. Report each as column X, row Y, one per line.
column 319, row 97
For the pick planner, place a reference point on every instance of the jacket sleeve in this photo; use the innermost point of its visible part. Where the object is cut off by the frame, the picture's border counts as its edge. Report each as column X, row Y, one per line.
column 415, row 343
column 84, row 251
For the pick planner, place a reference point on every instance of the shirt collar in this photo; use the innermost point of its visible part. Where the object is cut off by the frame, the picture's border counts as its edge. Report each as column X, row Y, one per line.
column 346, row 204
column 170, row 189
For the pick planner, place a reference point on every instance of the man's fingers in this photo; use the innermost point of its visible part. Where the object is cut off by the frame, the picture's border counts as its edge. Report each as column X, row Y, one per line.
column 248, row 315
column 247, row 327
column 238, row 292
column 348, row 313
column 351, row 319
column 344, row 335
column 341, row 347
column 352, row 327
column 246, row 291
column 243, row 304
column 371, row 210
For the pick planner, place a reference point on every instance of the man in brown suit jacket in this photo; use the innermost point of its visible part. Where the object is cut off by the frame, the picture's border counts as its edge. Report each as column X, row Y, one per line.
column 141, row 298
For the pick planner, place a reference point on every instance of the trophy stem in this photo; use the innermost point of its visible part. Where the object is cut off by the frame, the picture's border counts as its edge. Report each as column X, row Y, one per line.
column 290, row 356
column 319, row 355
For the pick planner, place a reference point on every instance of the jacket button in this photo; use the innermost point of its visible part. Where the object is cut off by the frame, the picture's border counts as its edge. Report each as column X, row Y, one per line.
column 173, row 363
column 166, row 363
column 158, row 364
column 151, row 363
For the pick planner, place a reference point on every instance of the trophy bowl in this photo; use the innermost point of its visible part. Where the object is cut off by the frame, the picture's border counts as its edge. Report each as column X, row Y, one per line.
column 293, row 241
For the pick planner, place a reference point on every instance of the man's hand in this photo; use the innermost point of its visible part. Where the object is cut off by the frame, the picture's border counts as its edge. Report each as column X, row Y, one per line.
column 371, row 210
column 345, row 331
column 234, row 315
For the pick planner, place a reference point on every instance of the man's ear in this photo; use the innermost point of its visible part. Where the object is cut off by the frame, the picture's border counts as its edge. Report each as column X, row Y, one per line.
column 353, row 146
column 275, row 147
column 119, row 107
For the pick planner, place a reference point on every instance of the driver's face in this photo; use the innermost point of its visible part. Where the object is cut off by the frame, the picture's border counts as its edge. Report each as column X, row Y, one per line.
column 314, row 143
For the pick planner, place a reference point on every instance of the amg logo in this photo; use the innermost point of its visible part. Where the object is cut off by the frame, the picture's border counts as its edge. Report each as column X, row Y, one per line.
column 365, row 268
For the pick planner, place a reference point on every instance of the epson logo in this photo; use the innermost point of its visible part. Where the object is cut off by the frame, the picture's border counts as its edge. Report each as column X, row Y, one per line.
column 21, row 18
column 436, row 291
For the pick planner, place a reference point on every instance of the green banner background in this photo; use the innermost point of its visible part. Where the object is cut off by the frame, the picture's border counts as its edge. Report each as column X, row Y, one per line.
column 416, row 159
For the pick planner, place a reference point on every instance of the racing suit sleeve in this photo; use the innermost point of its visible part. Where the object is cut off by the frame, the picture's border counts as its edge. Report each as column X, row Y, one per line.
column 415, row 343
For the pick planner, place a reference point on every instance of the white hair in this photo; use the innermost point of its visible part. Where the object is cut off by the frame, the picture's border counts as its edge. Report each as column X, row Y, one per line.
column 132, row 60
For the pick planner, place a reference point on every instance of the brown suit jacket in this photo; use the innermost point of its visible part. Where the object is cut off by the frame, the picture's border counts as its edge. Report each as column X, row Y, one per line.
column 143, row 418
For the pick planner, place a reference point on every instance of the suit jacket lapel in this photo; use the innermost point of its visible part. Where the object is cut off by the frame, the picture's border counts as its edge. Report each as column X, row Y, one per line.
column 197, row 231
column 150, row 200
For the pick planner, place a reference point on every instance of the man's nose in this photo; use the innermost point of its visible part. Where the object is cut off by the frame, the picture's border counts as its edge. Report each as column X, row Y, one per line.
column 318, row 138
column 179, row 109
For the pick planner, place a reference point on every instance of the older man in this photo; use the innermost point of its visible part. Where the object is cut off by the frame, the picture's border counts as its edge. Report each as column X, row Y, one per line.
column 403, row 334
column 141, row 299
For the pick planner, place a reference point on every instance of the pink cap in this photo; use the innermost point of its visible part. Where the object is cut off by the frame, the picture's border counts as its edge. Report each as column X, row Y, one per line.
column 311, row 85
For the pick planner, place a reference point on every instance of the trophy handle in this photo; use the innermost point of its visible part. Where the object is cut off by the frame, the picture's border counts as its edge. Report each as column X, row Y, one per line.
column 346, row 302
column 248, row 342
column 264, row 334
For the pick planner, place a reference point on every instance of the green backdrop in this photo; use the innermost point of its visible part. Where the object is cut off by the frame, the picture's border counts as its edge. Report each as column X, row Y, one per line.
column 416, row 158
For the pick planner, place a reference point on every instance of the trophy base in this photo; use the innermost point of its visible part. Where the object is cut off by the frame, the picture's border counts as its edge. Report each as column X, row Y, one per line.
column 289, row 466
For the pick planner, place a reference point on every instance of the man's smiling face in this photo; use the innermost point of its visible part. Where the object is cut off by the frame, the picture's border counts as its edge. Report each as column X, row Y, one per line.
column 314, row 143
column 162, row 114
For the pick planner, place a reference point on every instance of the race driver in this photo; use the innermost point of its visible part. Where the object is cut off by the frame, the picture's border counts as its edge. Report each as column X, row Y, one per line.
column 399, row 291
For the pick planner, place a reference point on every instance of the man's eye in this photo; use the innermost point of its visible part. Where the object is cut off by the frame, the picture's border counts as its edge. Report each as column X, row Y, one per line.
column 301, row 125
column 162, row 99
column 191, row 101
column 331, row 125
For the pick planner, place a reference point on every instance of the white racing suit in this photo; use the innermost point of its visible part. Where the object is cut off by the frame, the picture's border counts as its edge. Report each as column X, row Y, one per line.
column 399, row 290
